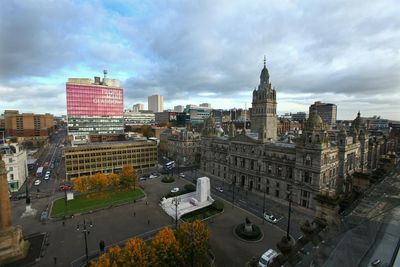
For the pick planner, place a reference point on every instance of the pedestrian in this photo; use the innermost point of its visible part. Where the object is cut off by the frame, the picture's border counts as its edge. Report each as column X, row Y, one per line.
column 148, row 221
column 55, row 261
column 134, row 214
column 63, row 223
column 147, row 202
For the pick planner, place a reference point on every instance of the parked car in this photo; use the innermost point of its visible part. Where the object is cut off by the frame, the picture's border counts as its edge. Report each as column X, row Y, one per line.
column 218, row 188
column 47, row 176
column 182, row 175
column 18, row 196
column 270, row 218
column 267, row 257
column 64, row 187
column 174, row 190
column 37, row 182
column 142, row 178
column 152, row 176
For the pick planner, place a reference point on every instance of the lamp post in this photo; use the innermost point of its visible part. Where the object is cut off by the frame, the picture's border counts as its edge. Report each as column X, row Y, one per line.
column 85, row 229
column 289, row 212
column 233, row 193
column 176, row 202
column 265, row 191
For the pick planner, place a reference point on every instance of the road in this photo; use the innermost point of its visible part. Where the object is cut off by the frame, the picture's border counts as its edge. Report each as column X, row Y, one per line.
column 253, row 202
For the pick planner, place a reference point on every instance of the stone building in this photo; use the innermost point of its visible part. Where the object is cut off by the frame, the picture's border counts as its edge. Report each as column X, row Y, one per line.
column 15, row 159
column 257, row 161
column 181, row 145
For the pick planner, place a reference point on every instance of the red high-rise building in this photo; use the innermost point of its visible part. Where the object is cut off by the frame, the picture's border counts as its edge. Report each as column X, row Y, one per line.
column 94, row 106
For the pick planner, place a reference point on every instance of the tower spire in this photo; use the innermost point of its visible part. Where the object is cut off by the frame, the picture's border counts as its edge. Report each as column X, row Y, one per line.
column 265, row 61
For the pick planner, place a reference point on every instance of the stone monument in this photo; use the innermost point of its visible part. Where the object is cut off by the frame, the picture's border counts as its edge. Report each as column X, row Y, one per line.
column 12, row 244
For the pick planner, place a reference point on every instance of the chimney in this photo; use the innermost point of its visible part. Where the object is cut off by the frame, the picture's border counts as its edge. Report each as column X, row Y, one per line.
column 96, row 80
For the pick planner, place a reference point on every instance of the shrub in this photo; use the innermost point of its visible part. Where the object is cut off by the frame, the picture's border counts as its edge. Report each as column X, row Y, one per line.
column 218, row 205
column 251, row 236
column 168, row 179
column 189, row 188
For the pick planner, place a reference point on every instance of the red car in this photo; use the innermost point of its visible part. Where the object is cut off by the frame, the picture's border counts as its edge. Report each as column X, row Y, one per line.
column 46, row 164
column 64, row 187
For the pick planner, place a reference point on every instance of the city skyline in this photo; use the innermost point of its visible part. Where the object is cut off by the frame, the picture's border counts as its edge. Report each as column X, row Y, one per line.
column 205, row 52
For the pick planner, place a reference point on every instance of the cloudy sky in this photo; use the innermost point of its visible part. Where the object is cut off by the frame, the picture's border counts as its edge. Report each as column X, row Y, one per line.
column 344, row 52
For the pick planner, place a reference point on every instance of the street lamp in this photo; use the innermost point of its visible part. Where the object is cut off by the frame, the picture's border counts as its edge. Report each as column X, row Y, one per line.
column 289, row 196
column 176, row 202
column 85, row 229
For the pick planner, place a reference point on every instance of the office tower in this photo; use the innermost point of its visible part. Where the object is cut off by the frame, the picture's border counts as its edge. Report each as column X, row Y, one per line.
column 328, row 112
column 137, row 107
column 178, row 108
column 156, row 103
column 94, row 106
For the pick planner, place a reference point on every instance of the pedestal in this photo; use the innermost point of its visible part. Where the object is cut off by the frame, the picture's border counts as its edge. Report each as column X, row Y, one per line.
column 12, row 245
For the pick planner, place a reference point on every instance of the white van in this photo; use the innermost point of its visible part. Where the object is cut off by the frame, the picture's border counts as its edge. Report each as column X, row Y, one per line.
column 267, row 257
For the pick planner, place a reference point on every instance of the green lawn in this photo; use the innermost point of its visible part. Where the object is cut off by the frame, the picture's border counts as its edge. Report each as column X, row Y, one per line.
column 93, row 201
column 200, row 214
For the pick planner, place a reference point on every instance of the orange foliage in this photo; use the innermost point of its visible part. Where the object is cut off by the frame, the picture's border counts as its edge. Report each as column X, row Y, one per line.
column 113, row 180
column 194, row 240
column 81, row 184
column 98, row 181
column 128, row 176
column 137, row 253
column 166, row 250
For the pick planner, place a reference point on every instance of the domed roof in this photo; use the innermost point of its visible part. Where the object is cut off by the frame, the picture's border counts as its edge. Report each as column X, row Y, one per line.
column 315, row 122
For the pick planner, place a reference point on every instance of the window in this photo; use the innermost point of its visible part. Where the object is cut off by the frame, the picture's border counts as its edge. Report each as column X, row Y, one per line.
column 10, row 169
column 307, row 177
column 277, row 193
column 10, row 160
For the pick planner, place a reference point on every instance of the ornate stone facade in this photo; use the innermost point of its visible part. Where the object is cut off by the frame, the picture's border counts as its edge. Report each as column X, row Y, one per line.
column 182, row 146
column 310, row 165
column 263, row 112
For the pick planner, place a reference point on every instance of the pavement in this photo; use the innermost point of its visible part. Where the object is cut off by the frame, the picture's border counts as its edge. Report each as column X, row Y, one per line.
column 120, row 223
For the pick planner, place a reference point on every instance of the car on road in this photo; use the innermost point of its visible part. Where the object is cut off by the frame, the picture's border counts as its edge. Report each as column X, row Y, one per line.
column 152, row 176
column 182, row 175
column 37, row 182
column 64, row 187
column 219, row 189
column 47, row 175
column 46, row 164
column 270, row 218
column 142, row 178
column 267, row 257
column 175, row 190
column 18, row 196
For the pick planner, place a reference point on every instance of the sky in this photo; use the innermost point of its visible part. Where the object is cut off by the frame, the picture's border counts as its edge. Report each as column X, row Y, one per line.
column 344, row 52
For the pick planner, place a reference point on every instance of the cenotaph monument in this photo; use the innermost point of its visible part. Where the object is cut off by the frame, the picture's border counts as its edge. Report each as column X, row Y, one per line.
column 12, row 244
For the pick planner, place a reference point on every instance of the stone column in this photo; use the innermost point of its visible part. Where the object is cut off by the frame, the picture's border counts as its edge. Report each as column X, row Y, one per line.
column 12, row 244
column 5, row 211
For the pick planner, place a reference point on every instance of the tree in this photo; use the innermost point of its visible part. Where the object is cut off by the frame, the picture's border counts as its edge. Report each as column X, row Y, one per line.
column 137, row 253
column 128, row 177
column 165, row 249
column 113, row 180
column 112, row 258
column 98, row 181
column 194, row 241
column 147, row 131
column 81, row 184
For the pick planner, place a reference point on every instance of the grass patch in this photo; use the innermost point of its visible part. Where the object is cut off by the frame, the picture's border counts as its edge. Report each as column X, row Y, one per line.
column 250, row 236
column 200, row 214
column 93, row 201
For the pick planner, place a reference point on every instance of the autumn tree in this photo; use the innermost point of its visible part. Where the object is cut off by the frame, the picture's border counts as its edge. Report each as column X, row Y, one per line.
column 98, row 181
column 128, row 177
column 137, row 253
column 112, row 258
column 81, row 184
column 165, row 249
column 194, row 243
column 113, row 180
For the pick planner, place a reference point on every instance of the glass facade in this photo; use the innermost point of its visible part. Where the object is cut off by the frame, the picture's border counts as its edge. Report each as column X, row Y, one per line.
column 94, row 109
column 94, row 100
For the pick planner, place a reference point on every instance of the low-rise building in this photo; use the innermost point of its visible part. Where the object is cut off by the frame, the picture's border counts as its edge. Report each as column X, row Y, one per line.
column 139, row 118
column 15, row 159
column 109, row 157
